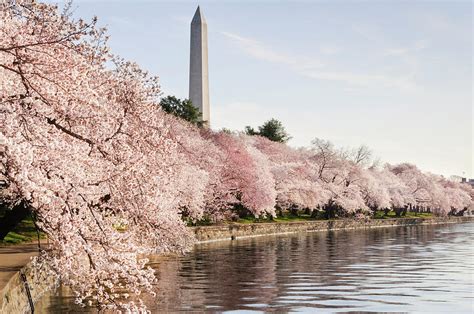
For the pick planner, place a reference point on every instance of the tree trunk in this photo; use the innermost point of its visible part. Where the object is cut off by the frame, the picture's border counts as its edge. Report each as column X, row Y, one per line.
column 279, row 211
column 242, row 211
column 330, row 212
column 398, row 211
column 12, row 217
column 404, row 212
column 294, row 211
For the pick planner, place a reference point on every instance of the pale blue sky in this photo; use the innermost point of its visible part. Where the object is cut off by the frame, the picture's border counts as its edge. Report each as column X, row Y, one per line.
column 394, row 75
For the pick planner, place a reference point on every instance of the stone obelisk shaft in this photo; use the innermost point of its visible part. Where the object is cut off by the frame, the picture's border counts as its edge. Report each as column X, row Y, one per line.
column 198, row 70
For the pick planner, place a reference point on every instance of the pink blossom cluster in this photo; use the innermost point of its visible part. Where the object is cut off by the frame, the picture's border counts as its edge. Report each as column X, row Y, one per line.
column 111, row 178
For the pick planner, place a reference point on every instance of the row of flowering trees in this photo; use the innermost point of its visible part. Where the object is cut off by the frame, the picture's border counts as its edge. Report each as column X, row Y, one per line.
column 110, row 177
column 261, row 176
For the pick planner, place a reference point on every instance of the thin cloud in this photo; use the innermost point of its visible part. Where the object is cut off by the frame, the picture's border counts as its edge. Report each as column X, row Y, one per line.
column 258, row 50
column 403, row 51
column 312, row 67
column 365, row 80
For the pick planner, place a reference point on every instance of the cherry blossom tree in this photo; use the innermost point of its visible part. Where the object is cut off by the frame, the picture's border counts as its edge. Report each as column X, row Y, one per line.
column 295, row 182
column 432, row 192
column 452, row 197
column 339, row 175
column 87, row 151
column 245, row 175
column 399, row 193
column 374, row 192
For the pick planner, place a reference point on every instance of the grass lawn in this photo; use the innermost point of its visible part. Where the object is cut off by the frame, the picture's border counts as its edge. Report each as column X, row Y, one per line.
column 381, row 215
column 303, row 217
column 25, row 231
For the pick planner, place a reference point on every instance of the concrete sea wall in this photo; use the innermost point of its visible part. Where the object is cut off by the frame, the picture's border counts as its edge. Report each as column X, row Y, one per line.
column 235, row 231
column 14, row 296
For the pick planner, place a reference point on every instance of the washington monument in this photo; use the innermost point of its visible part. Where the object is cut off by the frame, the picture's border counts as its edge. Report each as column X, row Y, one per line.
column 198, row 72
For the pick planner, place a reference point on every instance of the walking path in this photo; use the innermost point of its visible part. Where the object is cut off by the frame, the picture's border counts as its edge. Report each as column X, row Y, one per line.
column 13, row 258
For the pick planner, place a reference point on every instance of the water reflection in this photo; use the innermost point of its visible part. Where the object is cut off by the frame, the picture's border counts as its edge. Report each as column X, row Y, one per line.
column 406, row 269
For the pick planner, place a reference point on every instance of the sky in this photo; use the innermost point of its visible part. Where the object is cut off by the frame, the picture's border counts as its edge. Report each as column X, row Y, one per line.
column 393, row 75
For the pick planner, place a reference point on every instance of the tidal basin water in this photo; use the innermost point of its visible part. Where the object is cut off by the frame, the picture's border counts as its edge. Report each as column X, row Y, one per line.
column 404, row 269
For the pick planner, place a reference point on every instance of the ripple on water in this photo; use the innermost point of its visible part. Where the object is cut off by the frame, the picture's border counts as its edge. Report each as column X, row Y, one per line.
column 406, row 269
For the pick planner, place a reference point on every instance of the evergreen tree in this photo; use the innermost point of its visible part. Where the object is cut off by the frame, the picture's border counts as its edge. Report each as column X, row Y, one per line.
column 183, row 109
column 272, row 129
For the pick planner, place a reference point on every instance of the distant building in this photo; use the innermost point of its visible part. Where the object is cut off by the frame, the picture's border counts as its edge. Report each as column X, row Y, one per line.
column 457, row 179
column 460, row 179
column 471, row 182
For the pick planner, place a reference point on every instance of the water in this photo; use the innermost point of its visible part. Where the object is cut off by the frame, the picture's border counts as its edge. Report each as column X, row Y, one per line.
column 404, row 269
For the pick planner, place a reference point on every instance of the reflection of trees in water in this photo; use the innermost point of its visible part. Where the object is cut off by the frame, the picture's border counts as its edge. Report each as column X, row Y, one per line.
column 234, row 273
column 61, row 301
column 249, row 273
column 309, row 269
column 170, row 291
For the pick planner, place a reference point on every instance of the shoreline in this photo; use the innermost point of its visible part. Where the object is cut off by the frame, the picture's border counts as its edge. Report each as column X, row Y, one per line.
column 13, row 296
column 235, row 231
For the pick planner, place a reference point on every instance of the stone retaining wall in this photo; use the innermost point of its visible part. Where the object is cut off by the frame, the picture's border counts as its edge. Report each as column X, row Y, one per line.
column 235, row 231
column 14, row 297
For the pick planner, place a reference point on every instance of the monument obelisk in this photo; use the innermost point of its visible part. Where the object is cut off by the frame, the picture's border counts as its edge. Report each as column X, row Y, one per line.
column 198, row 70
